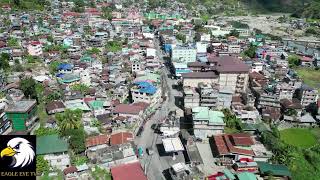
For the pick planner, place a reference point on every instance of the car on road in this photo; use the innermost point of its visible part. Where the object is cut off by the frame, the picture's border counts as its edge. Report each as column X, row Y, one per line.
column 140, row 151
column 139, row 131
column 149, row 151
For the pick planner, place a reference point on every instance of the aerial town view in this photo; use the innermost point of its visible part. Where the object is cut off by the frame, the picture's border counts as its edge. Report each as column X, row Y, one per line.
column 160, row 89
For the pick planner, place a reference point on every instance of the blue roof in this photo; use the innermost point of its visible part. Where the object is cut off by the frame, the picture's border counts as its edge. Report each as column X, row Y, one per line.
column 146, row 87
column 65, row 67
column 60, row 75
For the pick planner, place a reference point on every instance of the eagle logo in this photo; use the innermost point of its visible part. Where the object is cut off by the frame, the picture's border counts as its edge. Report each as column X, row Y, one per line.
column 20, row 150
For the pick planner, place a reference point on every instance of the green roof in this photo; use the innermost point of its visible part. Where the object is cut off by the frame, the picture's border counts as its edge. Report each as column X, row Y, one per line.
column 204, row 114
column 229, row 174
column 261, row 127
column 69, row 78
column 257, row 43
column 96, row 104
column 77, row 104
column 274, row 169
column 86, row 58
column 246, row 176
column 51, row 144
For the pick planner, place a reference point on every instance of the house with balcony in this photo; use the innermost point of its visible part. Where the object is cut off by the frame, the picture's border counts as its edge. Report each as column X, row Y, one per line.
column 144, row 91
column 285, row 91
column 307, row 95
column 191, row 97
column 23, row 115
column 35, row 48
column 208, row 95
column 4, row 122
column 206, row 122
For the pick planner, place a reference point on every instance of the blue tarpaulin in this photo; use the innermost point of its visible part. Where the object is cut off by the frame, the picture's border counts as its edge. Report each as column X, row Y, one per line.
column 65, row 67
column 146, row 87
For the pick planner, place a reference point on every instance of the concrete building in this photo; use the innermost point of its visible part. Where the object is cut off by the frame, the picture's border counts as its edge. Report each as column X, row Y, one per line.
column 144, row 91
column 224, row 98
column 23, row 115
column 234, row 48
column 307, row 95
column 257, row 67
column 136, row 66
column 208, row 96
column 4, row 122
column 35, row 48
column 184, row 54
column 268, row 100
column 285, row 91
column 207, row 123
column 233, row 73
column 54, row 150
column 180, row 68
column 201, row 47
column 193, row 79
column 191, row 97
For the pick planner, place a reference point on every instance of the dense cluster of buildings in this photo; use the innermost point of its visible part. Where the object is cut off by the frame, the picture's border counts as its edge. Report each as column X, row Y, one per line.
column 120, row 71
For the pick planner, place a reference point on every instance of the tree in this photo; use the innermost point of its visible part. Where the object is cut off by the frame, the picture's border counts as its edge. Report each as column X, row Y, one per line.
column 53, row 67
column 107, row 13
column 4, row 61
column 251, row 52
column 76, row 139
column 30, row 59
column 231, row 120
column 42, row 165
column 234, row 33
column 93, row 50
column 293, row 61
column 28, row 86
column 69, row 120
column 84, row 89
column 56, row 95
column 291, row 112
column 113, row 46
column 78, row 6
column 50, row 38
column 12, row 42
column 16, row 2
column 45, row 131
column 181, row 37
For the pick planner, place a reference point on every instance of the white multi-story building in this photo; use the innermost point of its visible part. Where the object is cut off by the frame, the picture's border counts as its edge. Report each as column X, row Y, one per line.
column 184, row 54
column 35, row 48
column 308, row 95
column 201, row 47
column 234, row 48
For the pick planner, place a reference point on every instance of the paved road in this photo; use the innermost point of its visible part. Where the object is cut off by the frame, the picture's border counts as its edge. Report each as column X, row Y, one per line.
column 154, row 164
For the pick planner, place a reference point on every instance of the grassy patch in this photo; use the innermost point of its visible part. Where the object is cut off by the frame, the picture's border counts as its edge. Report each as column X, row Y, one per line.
column 309, row 76
column 297, row 137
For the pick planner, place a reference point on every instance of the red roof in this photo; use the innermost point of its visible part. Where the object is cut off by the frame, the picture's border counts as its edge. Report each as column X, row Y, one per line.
column 128, row 109
column 241, row 139
column 97, row 140
column 35, row 43
column 69, row 170
column 120, row 138
column 224, row 145
column 88, row 99
column 132, row 171
column 71, row 14
column 306, row 58
column 215, row 176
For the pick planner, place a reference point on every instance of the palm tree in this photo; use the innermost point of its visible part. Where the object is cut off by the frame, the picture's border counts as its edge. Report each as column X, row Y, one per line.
column 69, row 120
